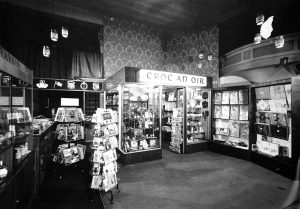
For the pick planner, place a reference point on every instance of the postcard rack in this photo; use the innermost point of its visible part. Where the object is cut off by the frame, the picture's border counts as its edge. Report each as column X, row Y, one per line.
column 104, row 166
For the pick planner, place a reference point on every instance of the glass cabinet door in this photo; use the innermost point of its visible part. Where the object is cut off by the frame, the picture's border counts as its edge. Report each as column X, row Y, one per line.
column 5, row 109
column 140, row 128
column 197, row 112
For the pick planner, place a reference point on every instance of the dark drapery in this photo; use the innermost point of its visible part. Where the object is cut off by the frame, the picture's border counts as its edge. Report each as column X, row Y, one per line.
column 86, row 65
column 23, row 32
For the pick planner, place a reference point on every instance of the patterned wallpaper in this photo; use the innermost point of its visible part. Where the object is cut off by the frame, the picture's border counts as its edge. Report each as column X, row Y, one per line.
column 183, row 49
column 132, row 44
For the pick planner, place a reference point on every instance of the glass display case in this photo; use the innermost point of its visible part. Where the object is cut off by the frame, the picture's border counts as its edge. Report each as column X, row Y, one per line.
column 231, row 121
column 158, row 110
column 273, row 123
column 16, row 145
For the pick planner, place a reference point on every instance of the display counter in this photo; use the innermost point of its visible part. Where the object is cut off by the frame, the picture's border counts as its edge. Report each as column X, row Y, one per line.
column 43, row 146
column 159, row 110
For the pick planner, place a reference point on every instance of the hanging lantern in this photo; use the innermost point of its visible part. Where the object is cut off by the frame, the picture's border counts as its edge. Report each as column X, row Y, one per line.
column 64, row 32
column 279, row 42
column 54, row 35
column 46, row 51
column 200, row 55
column 257, row 38
column 260, row 19
column 209, row 57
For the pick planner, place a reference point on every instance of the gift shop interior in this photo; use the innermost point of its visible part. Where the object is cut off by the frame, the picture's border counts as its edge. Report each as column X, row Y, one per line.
column 149, row 104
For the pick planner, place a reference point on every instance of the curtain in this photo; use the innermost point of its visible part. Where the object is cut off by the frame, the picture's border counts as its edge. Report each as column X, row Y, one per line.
column 86, row 65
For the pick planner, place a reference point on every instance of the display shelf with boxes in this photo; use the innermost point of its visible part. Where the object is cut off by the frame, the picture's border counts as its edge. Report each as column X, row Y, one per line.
column 69, row 132
column 231, row 121
column 17, row 156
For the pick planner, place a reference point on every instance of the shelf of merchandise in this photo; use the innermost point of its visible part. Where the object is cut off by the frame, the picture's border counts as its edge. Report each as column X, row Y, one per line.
column 15, row 107
column 228, row 133
column 284, row 150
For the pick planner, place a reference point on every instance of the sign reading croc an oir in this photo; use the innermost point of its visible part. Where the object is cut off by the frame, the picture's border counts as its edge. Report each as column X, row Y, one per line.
column 168, row 78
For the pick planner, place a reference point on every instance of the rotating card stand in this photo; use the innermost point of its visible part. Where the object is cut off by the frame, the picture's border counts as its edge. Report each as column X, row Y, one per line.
column 103, row 160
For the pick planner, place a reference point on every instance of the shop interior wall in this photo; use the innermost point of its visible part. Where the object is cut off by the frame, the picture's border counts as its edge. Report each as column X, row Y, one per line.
column 128, row 43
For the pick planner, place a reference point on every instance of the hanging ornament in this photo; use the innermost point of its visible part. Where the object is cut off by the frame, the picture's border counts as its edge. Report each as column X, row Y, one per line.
column 46, row 51
column 54, row 35
column 64, row 32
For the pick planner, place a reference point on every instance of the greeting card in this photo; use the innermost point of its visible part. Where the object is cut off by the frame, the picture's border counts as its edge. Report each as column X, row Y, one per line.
column 243, row 96
column 263, row 93
column 218, row 97
column 277, row 92
column 233, row 97
column 234, row 112
column 225, row 111
column 244, row 131
column 243, row 112
column 225, row 97
column 218, row 111
column 234, row 129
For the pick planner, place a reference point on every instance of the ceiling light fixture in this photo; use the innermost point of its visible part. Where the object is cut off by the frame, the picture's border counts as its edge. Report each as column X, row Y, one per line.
column 46, row 51
column 53, row 32
column 64, row 29
column 260, row 18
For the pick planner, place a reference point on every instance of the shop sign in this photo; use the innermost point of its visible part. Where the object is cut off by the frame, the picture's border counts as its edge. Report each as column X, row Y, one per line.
column 168, row 78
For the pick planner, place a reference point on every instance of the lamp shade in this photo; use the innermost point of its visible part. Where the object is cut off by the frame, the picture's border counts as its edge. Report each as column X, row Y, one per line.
column 260, row 19
column 257, row 38
column 64, row 32
column 53, row 35
column 279, row 42
column 46, row 51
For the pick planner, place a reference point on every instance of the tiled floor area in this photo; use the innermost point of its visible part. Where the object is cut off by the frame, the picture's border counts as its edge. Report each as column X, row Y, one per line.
column 202, row 180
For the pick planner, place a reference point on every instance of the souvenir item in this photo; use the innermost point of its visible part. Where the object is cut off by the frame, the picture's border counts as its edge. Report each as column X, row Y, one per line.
column 204, row 95
column 109, row 182
column 233, row 97
column 262, row 117
column 279, row 119
column 262, row 105
column 262, row 93
column 96, row 86
column 84, row 86
column 222, row 131
column 262, row 129
column 234, row 112
column 269, row 148
column 71, row 84
column 243, row 96
column 57, row 83
column 42, row 84
column 279, row 132
column 218, row 98
column 225, row 97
